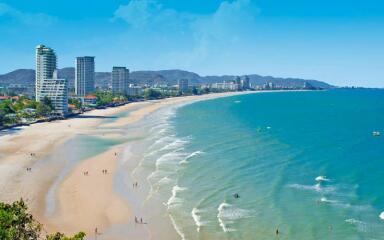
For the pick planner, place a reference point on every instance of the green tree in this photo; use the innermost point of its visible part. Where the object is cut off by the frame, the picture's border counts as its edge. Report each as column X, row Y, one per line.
column 150, row 93
column 16, row 223
column 1, row 118
column 43, row 109
column 106, row 97
column 48, row 102
column 78, row 104
column 194, row 91
column 31, row 104
column 60, row 236
column 6, row 106
column 206, row 90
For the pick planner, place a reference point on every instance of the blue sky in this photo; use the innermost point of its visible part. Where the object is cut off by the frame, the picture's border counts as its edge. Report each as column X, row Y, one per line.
column 337, row 41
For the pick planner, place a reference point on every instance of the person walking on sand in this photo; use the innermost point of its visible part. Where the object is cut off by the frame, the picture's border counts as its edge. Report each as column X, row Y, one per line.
column 141, row 220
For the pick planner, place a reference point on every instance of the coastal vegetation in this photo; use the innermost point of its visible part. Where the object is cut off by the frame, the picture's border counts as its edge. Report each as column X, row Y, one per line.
column 76, row 102
column 150, row 93
column 16, row 223
column 104, row 98
column 21, row 109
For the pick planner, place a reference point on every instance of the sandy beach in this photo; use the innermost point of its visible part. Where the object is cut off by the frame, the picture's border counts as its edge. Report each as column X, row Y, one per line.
column 81, row 201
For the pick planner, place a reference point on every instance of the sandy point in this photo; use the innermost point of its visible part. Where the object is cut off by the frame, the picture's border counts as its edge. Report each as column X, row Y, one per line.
column 86, row 199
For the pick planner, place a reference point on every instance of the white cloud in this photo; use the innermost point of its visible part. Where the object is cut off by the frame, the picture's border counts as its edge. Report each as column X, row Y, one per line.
column 209, row 36
column 151, row 15
column 35, row 19
column 218, row 37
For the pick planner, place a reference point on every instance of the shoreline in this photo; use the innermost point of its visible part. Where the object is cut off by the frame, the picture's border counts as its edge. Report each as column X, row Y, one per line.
column 35, row 147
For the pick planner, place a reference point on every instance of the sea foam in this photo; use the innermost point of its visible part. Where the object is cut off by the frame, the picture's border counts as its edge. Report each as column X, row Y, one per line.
column 316, row 188
column 174, row 200
column 322, row 179
column 361, row 226
column 197, row 218
column 326, row 200
column 196, row 153
column 227, row 214
column 381, row 216
column 177, row 228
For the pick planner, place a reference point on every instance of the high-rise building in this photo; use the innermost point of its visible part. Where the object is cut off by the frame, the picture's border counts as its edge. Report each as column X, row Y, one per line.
column 57, row 91
column 45, row 66
column 183, row 85
column 85, row 75
column 120, row 80
column 245, row 83
column 237, row 81
column 47, row 83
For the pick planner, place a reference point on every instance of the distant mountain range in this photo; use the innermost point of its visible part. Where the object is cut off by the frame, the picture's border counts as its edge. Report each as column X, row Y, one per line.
column 26, row 77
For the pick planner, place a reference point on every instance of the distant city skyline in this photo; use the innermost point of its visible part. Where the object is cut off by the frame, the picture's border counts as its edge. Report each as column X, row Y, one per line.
column 339, row 43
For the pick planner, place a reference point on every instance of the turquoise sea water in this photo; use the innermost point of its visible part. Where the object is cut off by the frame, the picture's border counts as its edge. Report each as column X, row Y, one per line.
column 303, row 162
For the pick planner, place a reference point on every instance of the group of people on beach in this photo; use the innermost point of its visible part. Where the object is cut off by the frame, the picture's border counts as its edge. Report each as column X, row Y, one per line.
column 135, row 185
column 32, row 155
column 104, row 171
column 140, row 222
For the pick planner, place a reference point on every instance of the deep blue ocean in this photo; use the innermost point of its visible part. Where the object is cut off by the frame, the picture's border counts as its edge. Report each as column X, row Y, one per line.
column 305, row 163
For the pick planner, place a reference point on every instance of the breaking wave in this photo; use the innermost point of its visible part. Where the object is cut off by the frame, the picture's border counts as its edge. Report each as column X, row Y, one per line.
column 228, row 214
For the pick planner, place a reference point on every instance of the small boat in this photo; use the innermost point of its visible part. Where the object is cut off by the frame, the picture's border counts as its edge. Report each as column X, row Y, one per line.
column 376, row 133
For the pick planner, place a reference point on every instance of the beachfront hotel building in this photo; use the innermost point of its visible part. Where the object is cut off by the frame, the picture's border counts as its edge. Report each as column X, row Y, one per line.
column 183, row 85
column 120, row 80
column 85, row 76
column 45, row 66
column 134, row 90
column 57, row 91
column 230, row 86
column 47, row 83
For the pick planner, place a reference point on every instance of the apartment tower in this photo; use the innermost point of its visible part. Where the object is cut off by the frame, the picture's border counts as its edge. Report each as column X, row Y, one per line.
column 57, row 91
column 46, row 63
column 47, row 82
column 120, row 80
column 85, row 76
